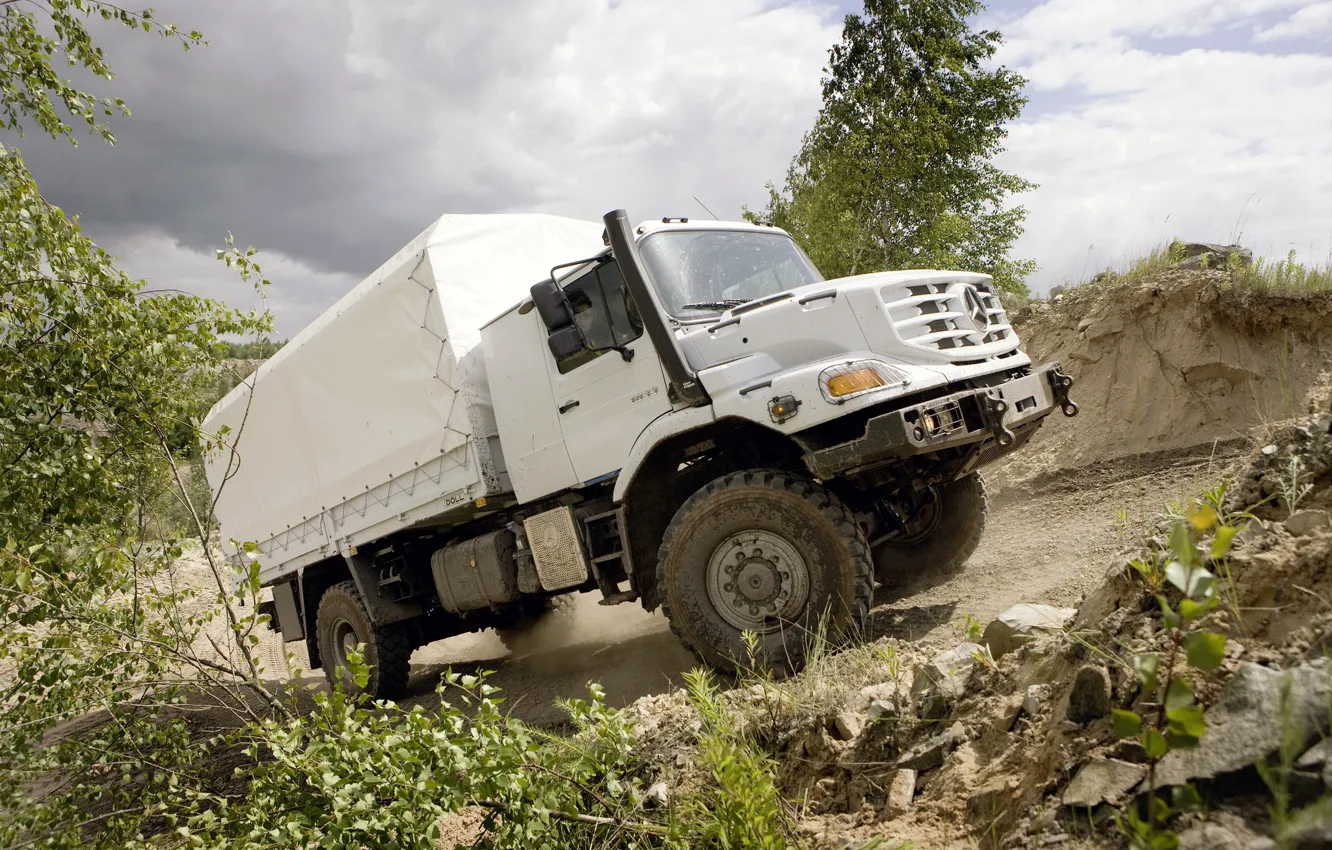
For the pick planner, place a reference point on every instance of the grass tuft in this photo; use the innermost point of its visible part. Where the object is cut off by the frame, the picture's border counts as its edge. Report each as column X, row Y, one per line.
column 1287, row 276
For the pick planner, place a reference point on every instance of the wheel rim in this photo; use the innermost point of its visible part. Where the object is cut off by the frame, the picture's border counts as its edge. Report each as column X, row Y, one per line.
column 756, row 580
column 922, row 525
column 344, row 640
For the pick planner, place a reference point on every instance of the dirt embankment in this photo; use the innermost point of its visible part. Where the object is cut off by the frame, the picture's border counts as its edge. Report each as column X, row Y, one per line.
column 1177, row 361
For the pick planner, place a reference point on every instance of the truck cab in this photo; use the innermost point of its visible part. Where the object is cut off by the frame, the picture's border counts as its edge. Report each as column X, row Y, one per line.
column 690, row 417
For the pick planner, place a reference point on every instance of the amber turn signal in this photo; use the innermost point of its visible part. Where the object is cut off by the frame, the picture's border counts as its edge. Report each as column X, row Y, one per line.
column 850, row 383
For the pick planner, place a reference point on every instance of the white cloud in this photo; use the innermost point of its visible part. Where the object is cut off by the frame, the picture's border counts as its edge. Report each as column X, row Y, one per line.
column 1313, row 21
column 1136, row 146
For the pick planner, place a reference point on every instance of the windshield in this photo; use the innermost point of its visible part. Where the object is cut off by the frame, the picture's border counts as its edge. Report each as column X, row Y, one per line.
column 703, row 272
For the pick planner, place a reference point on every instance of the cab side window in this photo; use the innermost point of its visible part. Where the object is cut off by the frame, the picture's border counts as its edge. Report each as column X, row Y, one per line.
column 604, row 311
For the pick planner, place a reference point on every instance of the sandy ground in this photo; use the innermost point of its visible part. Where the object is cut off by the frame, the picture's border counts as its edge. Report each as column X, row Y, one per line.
column 1050, row 544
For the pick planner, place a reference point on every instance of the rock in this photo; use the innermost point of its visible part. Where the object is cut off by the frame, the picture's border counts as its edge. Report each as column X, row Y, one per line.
column 1069, row 726
column 901, row 791
column 1100, row 782
column 1245, row 723
column 1270, row 450
column 880, row 708
column 819, row 746
column 1317, row 755
column 1090, row 698
column 929, row 754
column 1197, row 255
column 657, row 796
column 1311, row 836
column 943, row 679
column 1033, row 700
column 1262, row 843
column 847, row 725
column 823, row 796
column 1206, row 836
column 1022, row 624
column 1252, row 530
column 1104, row 326
column 1301, row 523
column 885, row 691
column 1115, row 589
column 1084, row 324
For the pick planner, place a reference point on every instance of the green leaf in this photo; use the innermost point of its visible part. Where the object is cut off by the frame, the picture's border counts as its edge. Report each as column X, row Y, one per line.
column 1224, row 539
column 1178, row 694
column 1146, row 667
column 1188, row 720
column 1185, row 798
column 1126, row 724
column 1191, row 610
column 1181, row 543
column 1194, row 580
column 1203, row 517
column 1205, row 650
column 1154, row 743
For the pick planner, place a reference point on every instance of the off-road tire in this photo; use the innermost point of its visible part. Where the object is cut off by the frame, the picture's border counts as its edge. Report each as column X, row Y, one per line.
column 963, row 507
column 387, row 651
column 528, row 613
column 816, row 523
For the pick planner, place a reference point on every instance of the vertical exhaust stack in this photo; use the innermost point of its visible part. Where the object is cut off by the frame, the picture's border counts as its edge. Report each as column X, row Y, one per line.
column 683, row 383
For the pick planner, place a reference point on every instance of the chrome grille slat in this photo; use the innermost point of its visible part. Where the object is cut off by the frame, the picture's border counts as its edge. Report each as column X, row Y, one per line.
column 936, row 316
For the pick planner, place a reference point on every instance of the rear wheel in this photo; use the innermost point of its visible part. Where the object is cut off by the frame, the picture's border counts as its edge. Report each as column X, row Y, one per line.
column 939, row 538
column 764, row 552
column 343, row 623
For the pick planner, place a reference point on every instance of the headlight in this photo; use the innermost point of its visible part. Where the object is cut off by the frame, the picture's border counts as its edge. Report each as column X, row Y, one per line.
column 848, row 380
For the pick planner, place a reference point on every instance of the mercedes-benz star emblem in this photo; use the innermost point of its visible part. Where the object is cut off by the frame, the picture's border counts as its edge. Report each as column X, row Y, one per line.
column 976, row 309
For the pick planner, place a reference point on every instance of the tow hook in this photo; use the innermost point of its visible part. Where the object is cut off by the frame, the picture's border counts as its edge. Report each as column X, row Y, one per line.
column 993, row 409
column 1060, row 383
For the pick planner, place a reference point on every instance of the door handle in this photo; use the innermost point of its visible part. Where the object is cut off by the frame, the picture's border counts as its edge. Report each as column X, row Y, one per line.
column 568, row 406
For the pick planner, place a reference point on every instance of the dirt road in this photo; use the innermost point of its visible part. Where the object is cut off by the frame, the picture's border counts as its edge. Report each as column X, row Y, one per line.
column 1048, row 544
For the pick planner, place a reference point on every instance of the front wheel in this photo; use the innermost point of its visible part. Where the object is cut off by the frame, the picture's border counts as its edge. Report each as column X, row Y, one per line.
column 940, row 537
column 765, row 552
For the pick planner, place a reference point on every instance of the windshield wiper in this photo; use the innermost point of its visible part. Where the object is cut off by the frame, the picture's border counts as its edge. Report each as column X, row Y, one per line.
column 715, row 305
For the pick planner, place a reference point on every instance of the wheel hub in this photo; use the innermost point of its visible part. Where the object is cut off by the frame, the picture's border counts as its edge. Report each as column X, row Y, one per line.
column 757, row 579
column 344, row 640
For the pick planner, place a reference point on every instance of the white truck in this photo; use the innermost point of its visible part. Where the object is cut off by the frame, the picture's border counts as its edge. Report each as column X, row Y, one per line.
column 683, row 414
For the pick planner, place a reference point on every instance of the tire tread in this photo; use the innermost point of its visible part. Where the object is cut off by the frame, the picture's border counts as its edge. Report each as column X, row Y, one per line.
column 832, row 508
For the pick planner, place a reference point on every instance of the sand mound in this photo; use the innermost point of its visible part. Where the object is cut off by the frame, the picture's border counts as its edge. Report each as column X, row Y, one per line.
column 1180, row 360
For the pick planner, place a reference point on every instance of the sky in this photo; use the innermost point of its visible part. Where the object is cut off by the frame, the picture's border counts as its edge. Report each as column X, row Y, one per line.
column 328, row 133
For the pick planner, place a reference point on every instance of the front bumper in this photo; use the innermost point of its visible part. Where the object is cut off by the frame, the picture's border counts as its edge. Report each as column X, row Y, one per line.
column 998, row 414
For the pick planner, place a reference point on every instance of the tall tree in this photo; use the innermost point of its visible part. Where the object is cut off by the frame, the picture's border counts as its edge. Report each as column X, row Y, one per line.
column 97, row 373
column 898, row 170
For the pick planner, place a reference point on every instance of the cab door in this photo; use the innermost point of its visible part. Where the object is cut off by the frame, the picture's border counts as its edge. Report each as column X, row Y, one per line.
column 605, row 401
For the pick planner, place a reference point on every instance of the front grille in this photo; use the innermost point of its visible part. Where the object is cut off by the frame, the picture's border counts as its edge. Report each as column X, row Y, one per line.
column 944, row 317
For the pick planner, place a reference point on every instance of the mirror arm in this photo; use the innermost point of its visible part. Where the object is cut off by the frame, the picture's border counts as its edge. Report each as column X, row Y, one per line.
column 625, row 351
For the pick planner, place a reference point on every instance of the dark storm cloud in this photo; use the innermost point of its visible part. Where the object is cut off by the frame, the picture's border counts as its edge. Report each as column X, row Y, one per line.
column 330, row 132
column 268, row 133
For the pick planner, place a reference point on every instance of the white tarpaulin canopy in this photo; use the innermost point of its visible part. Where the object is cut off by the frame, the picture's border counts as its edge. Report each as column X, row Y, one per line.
column 377, row 407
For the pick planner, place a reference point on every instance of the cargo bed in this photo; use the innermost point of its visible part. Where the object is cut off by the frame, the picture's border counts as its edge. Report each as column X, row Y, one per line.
column 377, row 416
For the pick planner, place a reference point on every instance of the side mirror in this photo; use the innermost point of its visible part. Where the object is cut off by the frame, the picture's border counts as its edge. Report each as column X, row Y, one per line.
column 567, row 341
column 552, row 304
